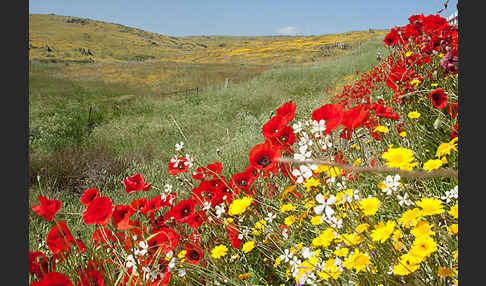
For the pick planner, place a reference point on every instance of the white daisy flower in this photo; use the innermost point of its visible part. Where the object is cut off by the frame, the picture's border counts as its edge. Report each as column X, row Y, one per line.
column 324, row 205
column 270, row 217
column 318, row 127
column 297, row 127
column 286, row 256
column 179, row 146
column 450, row 195
column 219, row 210
column 404, row 200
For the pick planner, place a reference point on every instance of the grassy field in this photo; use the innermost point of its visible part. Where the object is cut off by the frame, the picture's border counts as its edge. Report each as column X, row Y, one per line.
column 94, row 50
column 93, row 124
column 93, row 134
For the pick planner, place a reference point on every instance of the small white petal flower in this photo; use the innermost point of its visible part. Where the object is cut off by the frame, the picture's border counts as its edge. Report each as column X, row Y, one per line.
column 182, row 273
column 270, row 217
column 206, row 206
column 179, row 146
column 404, row 200
column 219, row 210
column 286, row 256
column 307, row 253
column 297, row 127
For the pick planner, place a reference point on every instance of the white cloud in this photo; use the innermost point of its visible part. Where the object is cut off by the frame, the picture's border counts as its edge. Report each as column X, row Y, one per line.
column 289, row 30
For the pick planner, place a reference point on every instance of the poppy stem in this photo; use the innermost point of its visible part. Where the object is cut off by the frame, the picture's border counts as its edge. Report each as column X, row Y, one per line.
column 178, row 127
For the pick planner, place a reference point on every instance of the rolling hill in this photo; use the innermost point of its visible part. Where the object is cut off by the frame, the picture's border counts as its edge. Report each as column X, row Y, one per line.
column 53, row 37
column 64, row 38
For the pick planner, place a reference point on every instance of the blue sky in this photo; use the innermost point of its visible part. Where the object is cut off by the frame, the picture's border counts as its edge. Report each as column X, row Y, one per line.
column 248, row 17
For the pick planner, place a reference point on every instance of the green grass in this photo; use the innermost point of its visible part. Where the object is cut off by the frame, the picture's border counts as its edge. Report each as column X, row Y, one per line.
column 133, row 131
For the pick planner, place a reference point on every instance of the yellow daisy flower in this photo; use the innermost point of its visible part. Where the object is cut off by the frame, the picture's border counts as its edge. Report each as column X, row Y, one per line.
column 239, row 206
column 383, row 231
column 400, row 158
column 219, row 251
column 454, row 211
column 423, row 246
column 430, row 206
column 381, row 128
column 369, row 206
column 248, row 246
column 414, row 114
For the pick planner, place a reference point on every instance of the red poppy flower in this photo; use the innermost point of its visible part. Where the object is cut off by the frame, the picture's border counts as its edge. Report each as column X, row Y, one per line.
column 409, row 31
column 178, row 165
column 273, row 126
column 373, row 162
column 89, row 195
column 355, row 117
column 214, row 168
column 135, row 183
column 438, row 98
column 98, row 212
column 233, row 233
column 264, row 156
column 54, row 279
column 371, row 125
column 59, row 238
column 455, row 131
column 332, row 114
column 398, row 73
column 91, row 275
column 253, row 171
column 224, row 193
column 194, row 253
column 386, row 112
column 417, row 21
column 287, row 111
column 242, row 181
column 203, row 193
column 156, row 203
column 196, row 219
column 199, row 173
column 433, row 23
column 139, row 204
column 121, row 217
column 285, row 137
column 166, row 240
column 48, row 208
column 182, row 210
column 38, row 263
column 392, row 37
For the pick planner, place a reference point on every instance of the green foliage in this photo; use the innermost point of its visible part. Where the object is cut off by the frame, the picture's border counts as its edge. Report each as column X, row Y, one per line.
column 142, row 128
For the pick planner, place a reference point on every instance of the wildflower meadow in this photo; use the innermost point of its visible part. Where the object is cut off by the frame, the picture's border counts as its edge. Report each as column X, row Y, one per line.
column 362, row 191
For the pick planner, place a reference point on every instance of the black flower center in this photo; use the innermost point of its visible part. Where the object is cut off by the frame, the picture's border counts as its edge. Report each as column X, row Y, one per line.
column 263, row 161
column 242, row 183
column 194, row 255
column 186, row 212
